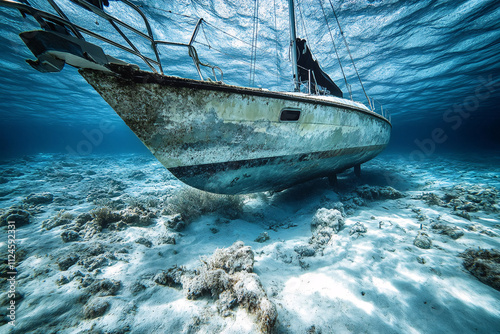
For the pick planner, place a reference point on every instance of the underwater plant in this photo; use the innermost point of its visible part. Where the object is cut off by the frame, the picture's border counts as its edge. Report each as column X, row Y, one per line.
column 192, row 204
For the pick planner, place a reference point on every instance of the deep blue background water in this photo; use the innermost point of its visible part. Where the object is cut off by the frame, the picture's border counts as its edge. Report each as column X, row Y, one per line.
column 435, row 65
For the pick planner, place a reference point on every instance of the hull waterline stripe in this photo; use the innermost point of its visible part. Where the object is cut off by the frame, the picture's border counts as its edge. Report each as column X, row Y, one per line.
column 214, row 168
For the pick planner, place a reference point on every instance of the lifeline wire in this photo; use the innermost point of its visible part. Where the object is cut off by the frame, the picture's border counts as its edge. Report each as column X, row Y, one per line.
column 168, row 11
column 209, row 24
column 253, row 44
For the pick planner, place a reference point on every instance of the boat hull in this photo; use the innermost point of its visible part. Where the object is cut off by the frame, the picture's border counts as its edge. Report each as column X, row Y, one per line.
column 230, row 140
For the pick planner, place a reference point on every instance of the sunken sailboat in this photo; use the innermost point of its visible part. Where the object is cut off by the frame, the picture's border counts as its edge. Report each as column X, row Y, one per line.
column 213, row 136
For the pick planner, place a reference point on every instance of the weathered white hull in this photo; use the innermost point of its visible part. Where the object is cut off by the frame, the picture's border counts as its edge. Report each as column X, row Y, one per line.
column 230, row 140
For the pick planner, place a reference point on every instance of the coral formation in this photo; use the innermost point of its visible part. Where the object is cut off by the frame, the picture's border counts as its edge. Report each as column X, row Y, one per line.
column 236, row 258
column 39, row 198
column 358, row 229
column 481, row 229
column 325, row 223
column 472, row 198
column 432, row 199
column 327, row 218
column 68, row 236
column 227, row 276
column 95, row 256
column 145, row 242
column 105, row 189
column 87, row 225
column 104, row 287
column 305, row 250
column 19, row 216
column 95, row 308
column 67, row 261
column 104, row 216
column 137, row 216
column 483, row 264
column 62, row 218
column 82, row 218
column 171, row 277
column 451, row 231
column 378, row 193
column 465, row 198
column 422, row 240
column 352, row 200
column 263, row 237
column 167, row 239
column 174, row 222
column 192, row 203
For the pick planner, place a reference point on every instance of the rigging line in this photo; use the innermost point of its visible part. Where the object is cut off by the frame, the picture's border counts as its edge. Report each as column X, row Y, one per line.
column 335, row 48
column 236, row 37
column 205, row 34
column 254, row 42
column 302, row 20
column 252, row 45
column 238, row 59
column 276, row 40
column 305, row 33
column 225, row 32
column 350, row 55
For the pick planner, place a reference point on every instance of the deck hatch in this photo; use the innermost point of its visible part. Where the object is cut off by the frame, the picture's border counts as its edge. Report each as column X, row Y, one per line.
column 289, row 115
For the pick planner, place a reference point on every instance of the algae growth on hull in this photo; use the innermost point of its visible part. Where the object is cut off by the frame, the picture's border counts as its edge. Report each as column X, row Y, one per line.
column 232, row 140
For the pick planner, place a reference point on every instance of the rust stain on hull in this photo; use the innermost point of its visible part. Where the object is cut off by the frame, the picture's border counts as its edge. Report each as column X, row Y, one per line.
column 230, row 140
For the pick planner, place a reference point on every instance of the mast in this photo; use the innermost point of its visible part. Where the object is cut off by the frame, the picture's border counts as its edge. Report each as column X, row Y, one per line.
column 293, row 43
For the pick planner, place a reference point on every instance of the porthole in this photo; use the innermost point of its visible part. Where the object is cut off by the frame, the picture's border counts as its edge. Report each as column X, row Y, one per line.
column 290, row 115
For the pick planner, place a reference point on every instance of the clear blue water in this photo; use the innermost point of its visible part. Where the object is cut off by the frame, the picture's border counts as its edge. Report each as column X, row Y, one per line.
column 433, row 64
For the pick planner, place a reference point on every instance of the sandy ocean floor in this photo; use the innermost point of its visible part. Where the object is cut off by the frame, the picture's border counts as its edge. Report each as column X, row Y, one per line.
column 115, row 244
